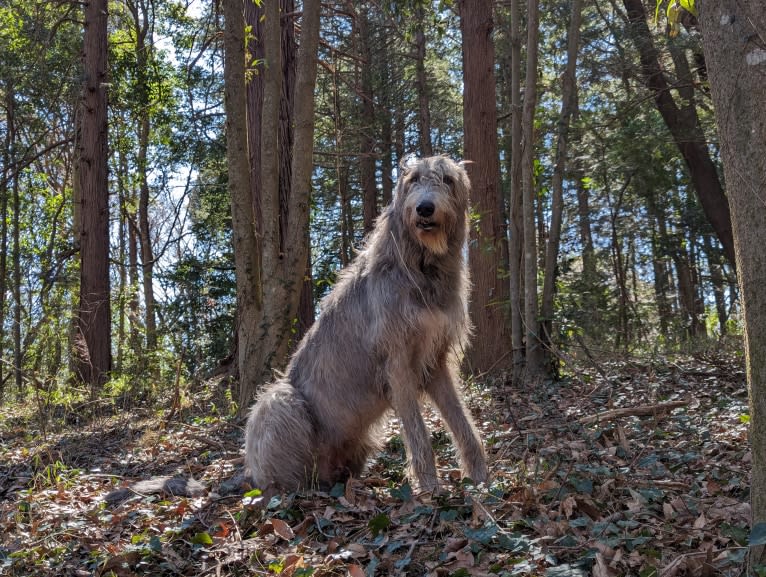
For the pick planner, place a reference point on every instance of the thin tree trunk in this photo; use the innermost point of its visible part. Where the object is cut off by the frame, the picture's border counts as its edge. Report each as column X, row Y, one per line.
column 531, row 316
column 367, row 115
column 6, row 175
column 94, row 359
column 516, row 253
column 302, row 165
column 568, row 109
column 142, row 26
column 717, row 280
column 123, row 287
column 421, row 84
column 16, row 287
column 659, row 267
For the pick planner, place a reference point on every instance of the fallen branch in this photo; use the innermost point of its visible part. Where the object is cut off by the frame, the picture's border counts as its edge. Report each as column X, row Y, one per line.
column 642, row 411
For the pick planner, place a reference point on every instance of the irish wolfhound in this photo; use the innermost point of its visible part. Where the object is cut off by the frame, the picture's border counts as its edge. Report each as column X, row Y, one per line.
column 387, row 335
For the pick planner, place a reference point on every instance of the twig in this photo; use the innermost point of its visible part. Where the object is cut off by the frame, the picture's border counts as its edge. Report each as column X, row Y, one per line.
column 641, row 411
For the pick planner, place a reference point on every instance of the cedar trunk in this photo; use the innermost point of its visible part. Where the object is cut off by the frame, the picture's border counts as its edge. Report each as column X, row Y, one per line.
column 736, row 60
column 488, row 248
column 245, row 237
column 94, row 342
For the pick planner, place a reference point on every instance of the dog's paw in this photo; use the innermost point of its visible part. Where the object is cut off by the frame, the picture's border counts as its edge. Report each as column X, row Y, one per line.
column 477, row 472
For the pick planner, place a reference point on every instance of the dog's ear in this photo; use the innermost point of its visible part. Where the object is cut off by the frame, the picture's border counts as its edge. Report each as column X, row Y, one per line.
column 464, row 164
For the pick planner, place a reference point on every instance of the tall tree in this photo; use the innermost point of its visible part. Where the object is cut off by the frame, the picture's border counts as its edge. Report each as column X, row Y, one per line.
column 143, row 16
column 245, row 235
column 421, row 81
column 94, row 343
column 271, row 229
column 568, row 109
column 733, row 40
column 516, row 223
column 534, row 351
column 487, row 249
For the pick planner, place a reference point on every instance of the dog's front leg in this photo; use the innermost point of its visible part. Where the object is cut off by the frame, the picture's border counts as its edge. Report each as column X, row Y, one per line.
column 441, row 388
column 405, row 401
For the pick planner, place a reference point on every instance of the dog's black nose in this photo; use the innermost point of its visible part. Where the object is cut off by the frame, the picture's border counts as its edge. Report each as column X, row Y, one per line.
column 425, row 208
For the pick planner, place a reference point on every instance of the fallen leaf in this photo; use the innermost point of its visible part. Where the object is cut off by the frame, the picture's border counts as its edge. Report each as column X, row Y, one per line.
column 282, row 529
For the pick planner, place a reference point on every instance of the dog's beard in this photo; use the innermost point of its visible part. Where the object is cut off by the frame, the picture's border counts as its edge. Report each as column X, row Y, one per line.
column 432, row 236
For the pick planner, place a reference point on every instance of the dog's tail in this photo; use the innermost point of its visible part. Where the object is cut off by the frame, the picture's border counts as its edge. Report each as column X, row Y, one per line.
column 280, row 440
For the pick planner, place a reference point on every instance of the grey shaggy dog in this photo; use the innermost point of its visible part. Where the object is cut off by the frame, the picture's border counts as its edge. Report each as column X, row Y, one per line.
column 388, row 335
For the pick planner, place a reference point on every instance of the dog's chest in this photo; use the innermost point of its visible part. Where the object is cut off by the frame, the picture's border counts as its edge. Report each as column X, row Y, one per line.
column 433, row 333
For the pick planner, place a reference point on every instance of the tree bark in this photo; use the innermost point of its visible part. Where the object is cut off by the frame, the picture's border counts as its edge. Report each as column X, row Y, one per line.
column 534, row 365
column 733, row 40
column 94, row 350
column 246, row 238
column 284, row 216
column 6, row 174
column 140, row 13
column 487, row 249
column 367, row 115
column 685, row 128
column 516, row 220
column 421, row 83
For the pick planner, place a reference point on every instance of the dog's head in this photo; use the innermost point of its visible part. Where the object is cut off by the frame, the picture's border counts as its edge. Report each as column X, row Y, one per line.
column 432, row 199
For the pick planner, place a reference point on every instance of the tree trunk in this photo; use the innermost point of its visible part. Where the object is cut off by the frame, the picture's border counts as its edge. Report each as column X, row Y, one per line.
column 285, row 228
column 421, row 84
column 717, row 280
column 659, row 266
column 516, row 252
column 141, row 24
column 246, row 237
column 367, row 115
column 94, row 350
column 733, row 34
column 488, row 251
column 16, row 265
column 6, row 175
column 531, row 317
column 685, row 128
column 302, row 164
column 568, row 109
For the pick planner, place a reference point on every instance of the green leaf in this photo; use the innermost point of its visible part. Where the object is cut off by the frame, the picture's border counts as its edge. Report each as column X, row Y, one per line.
column 379, row 523
column 203, row 539
column 403, row 493
column 689, row 6
column 155, row 544
column 483, row 535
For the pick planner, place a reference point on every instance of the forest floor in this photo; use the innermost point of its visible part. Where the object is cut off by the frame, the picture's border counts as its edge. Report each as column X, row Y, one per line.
column 625, row 468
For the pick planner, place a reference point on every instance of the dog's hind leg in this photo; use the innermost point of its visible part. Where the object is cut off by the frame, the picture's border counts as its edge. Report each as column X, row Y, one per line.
column 443, row 392
column 280, row 440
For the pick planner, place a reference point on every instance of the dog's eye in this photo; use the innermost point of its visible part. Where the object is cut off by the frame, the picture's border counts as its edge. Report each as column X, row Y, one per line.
column 414, row 179
column 447, row 180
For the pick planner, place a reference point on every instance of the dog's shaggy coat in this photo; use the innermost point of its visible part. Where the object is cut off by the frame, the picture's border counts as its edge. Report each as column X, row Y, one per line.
column 388, row 333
